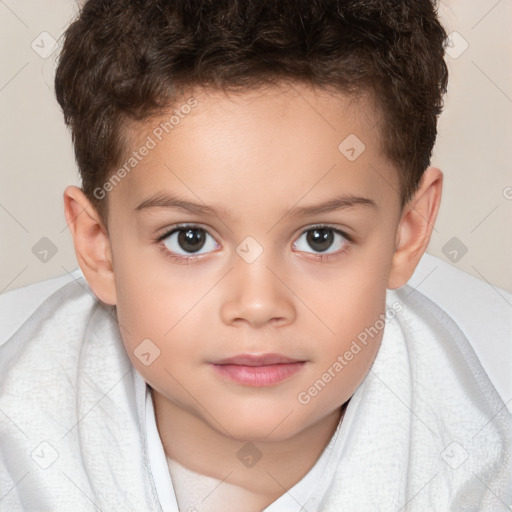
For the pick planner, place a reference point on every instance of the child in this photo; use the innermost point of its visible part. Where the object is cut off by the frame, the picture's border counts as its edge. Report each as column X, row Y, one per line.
column 284, row 363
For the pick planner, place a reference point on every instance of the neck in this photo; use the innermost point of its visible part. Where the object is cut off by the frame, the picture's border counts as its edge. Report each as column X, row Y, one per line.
column 198, row 446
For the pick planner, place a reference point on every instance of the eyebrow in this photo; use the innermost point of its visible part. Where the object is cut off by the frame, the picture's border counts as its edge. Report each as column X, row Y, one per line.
column 169, row 201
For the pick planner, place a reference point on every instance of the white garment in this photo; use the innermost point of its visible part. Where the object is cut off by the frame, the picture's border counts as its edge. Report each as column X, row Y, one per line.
column 425, row 431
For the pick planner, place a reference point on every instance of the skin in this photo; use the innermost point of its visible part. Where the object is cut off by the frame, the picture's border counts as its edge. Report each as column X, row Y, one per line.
column 253, row 156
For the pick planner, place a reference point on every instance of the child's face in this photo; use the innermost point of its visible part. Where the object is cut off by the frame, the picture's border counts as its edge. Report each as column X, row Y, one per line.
column 257, row 284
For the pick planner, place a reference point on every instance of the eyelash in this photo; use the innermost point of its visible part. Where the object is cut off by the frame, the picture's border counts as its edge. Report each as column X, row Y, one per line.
column 189, row 259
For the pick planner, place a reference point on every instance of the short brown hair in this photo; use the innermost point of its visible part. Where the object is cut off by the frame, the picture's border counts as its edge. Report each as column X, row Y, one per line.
column 125, row 60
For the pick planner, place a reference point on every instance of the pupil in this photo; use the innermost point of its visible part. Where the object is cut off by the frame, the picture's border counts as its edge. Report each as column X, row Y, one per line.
column 320, row 239
column 191, row 239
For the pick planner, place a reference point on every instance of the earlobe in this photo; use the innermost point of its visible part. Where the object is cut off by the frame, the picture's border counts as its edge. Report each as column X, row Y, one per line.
column 91, row 242
column 415, row 227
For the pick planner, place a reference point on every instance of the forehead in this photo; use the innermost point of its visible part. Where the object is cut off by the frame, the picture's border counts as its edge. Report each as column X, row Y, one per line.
column 276, row 108
column 291, row 139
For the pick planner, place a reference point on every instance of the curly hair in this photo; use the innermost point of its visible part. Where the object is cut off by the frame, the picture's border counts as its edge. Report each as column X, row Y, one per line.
column 125, row 61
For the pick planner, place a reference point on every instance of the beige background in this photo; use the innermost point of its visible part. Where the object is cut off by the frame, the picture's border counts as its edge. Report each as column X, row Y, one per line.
column 473, row 149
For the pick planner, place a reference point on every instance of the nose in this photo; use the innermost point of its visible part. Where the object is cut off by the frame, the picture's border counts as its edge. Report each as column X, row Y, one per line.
column 256, row 294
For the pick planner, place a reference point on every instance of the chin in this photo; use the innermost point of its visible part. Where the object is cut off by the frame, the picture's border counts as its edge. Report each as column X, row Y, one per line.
column 262, row 428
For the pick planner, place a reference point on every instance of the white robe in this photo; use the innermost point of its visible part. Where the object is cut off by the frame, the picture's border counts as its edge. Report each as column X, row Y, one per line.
column 426, row 431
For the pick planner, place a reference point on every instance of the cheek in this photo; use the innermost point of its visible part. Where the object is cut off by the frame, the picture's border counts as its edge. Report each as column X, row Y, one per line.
column 349, row 306
column 160, row 312
column 350, row 297
column 149, row 301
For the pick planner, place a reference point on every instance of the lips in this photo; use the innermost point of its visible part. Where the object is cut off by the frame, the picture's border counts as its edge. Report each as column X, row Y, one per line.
column 257, row 360
column 257, row 370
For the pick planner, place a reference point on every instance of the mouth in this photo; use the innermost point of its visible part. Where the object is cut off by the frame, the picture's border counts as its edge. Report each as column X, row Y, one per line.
column 257, row 370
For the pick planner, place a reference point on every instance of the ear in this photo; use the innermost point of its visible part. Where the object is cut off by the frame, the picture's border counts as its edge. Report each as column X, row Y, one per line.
column 92, row 244
column 415, row 227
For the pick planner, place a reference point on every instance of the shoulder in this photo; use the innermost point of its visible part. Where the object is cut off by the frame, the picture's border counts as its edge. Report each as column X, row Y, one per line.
column 19, row 306
column 482, row 311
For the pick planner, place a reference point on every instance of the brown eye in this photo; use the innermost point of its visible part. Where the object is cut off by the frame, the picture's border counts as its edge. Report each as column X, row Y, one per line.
column 321, row 239
column 188, row 240
column 191, row 240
